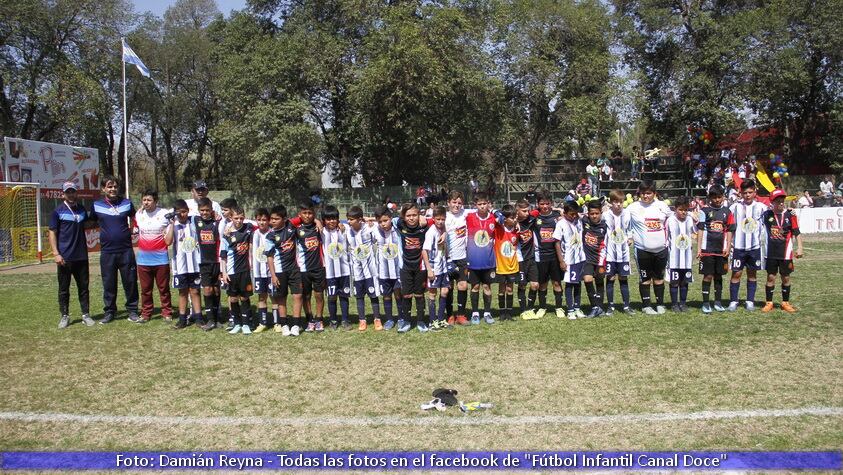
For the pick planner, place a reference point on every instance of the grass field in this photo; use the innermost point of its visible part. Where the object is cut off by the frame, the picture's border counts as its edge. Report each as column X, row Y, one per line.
column 345, row 390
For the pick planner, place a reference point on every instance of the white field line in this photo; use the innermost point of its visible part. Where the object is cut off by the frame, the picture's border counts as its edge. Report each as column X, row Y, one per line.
column 431, row 420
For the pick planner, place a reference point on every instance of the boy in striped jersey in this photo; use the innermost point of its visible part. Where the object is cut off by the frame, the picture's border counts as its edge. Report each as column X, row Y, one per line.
column 571, row 257
column 260, row 269
column 527, row 268
column 364, row 268
column 309, row 256
column 680, row 232
column 594, row 243
column 183, row 236
column 389, row 262
column 782, row 227
column 337, row 268
column 435, row 257
column 235, row 259
column 617, row 251
column 746, row 247
column 717, row 225
column 281, row 254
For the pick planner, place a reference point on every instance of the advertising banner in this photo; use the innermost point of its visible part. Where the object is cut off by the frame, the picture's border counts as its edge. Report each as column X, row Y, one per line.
column 51, row 165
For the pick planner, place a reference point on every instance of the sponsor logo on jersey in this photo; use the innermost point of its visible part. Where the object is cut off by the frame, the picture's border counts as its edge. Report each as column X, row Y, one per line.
column 412, row 243
column 461, row 232
column 591, row 240
column 526, row 236
column 716, row 226
column 481, row 238
column 776, row 233
column 653, row 224
column 546, row 235
column 311, row 242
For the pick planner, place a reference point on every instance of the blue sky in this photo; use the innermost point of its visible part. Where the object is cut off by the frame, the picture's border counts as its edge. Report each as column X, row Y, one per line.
column 159, row 6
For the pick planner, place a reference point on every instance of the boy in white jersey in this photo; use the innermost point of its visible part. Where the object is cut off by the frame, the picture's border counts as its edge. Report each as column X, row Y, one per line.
column 182, row 235
column 457, row 230
column 261, row 276
column 337, row 268
column 617, row 251
column 681, row 231
column 649, row 235
column 746, row 245
column 388, row 245
column 571, row 256
column 364, row 267
column 435, row 257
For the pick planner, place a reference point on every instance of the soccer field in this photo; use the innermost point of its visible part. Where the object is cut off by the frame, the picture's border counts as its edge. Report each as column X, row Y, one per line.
column 676, row 381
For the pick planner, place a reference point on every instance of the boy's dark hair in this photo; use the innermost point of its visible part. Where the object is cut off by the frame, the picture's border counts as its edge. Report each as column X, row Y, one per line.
column 228, row 203
column 571, row 206
column 646, row 185
column 262, row 212
column 682, row 201
column 355, row 212
column 481, row 196
column 178, row 204
column 305, row 206
column 747, row 184
column 407, row 207
column 201, row 202
column 382, row 211
column 279, row 210
column 108, row 178
column 616, row 195
column 150, row 192
column 236, row 210
column 454, row 194
column 544, row 196
column 715, row 191
column 508, row 211
column 522, row 203
column 439, row 211
column 596, row 203
column 330, row 212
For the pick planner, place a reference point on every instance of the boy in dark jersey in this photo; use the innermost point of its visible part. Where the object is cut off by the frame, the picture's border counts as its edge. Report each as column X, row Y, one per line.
column 716, row 224
column 309, row 254
column 235, row 259
column 412, row 233
column 528, row 270
column 209, row 262
column 286, row 277
column 547, row 263
column 782, row 227
column 594, row 232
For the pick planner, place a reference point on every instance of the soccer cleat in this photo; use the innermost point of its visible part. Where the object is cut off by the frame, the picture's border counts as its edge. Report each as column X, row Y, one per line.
column 422, row 327
column 683, row 307
column 277, row 328
column 295, row 330
column 528, row 315
column 107, row 318
column 452, row 320
column 610, row 310
column 345, row 325
column 750, row 306
column 403, row 326
column 208, row 326
column 388, row 325
column 285, row 330
column 649, row 311
column 560, row 312
column 595, row 312
column 572, row 315
column 319, row 327
column 378, row 325
column 87, row 320
column 733, row 306
column 487, row 317
column 167, row 318
column 768, row 307
column 660, row 309
column 475, row 318
column 234, row 330
column 718, row 306
column 362, row 326
column 675, row 308
column 260, row 329
column 334, row 325
column 462, row 320
column 787, row 307
column 180, row 325
column 540, row 313
column 628, row 311
column 579, row 312
column 64, row 321
column 311, row 326
column 706, row 308
column 246, row 330
column 134, row 318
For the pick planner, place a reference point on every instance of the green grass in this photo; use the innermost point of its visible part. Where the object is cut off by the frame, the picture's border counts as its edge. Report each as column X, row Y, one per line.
column 618, row 365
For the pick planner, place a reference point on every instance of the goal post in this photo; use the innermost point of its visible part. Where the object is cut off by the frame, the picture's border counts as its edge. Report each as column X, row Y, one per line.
column 21, row 231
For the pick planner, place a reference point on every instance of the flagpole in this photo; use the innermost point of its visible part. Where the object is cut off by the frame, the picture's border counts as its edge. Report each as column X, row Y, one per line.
column 125, row 127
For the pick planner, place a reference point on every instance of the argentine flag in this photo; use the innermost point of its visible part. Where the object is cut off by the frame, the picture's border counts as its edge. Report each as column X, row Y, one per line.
column 130, row 57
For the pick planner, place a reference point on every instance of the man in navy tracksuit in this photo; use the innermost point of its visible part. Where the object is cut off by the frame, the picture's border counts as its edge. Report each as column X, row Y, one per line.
column 115, row 216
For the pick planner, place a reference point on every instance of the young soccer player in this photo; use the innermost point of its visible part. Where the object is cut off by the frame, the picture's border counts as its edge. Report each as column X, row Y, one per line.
column 183, row 236
column 235, row 260
column 286, row 277
column 528, row 270
column 457, row 242
column 571, row 257
column 594, row 231
column 364, row 267
column 435, row 258
column 548, row 263
column 412, row 233
column 617, row 251
column 506, row 259
column 746, row 246
column 309, row 255
column 782, row 227
column 713, row 243
column 480, row 257
column 209, row 263
column 337, row 268
column 389, row 261
column 680, row 233
column 647, row 221
column 260, row 269
column 223, row 226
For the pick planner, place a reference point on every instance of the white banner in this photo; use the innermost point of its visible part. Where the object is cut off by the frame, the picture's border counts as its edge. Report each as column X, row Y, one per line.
column 820, row 220
column 51, row 165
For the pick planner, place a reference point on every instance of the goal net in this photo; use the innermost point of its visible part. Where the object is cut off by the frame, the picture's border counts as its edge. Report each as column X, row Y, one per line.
column 21, row 232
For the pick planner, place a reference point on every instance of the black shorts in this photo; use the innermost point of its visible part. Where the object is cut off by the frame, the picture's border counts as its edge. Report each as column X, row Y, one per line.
column 288, row 282
column 460, row 271
column 593, row 270
column 680, row 276
column 481, row 276
column 366, row 287
column 209, row 274
column 239, row 285
column 528, row 271
column 651, row 265
column 263, row 285
column 714, row 265
column 509, row 278
column 748, row 259
column 779, row 266
column 313, row 281
column 339, row 286
column 389, row 286
column 412, row 281
column 549, row 270
column 186, row 281
column 617, row 268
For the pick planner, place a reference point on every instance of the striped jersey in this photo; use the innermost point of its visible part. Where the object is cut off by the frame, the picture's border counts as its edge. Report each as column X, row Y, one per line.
column 152, row 250
column 647, row 223
column 235, row 249
column 185, row 247
column 594, row 241
column 681, row 237
column 617, row 242
column 748, row 226
column 569, row 236
column 335, row 253
column 507, row 250
column 260, row 268
column 527, row 240
column 781, row 229
column 362, row 253
column 480, row 250
column 309, row 247
column 436, row 251
column 715, row 224
column 389, row 252
column 412, row 240
column 544, row 228
column 281, row 247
